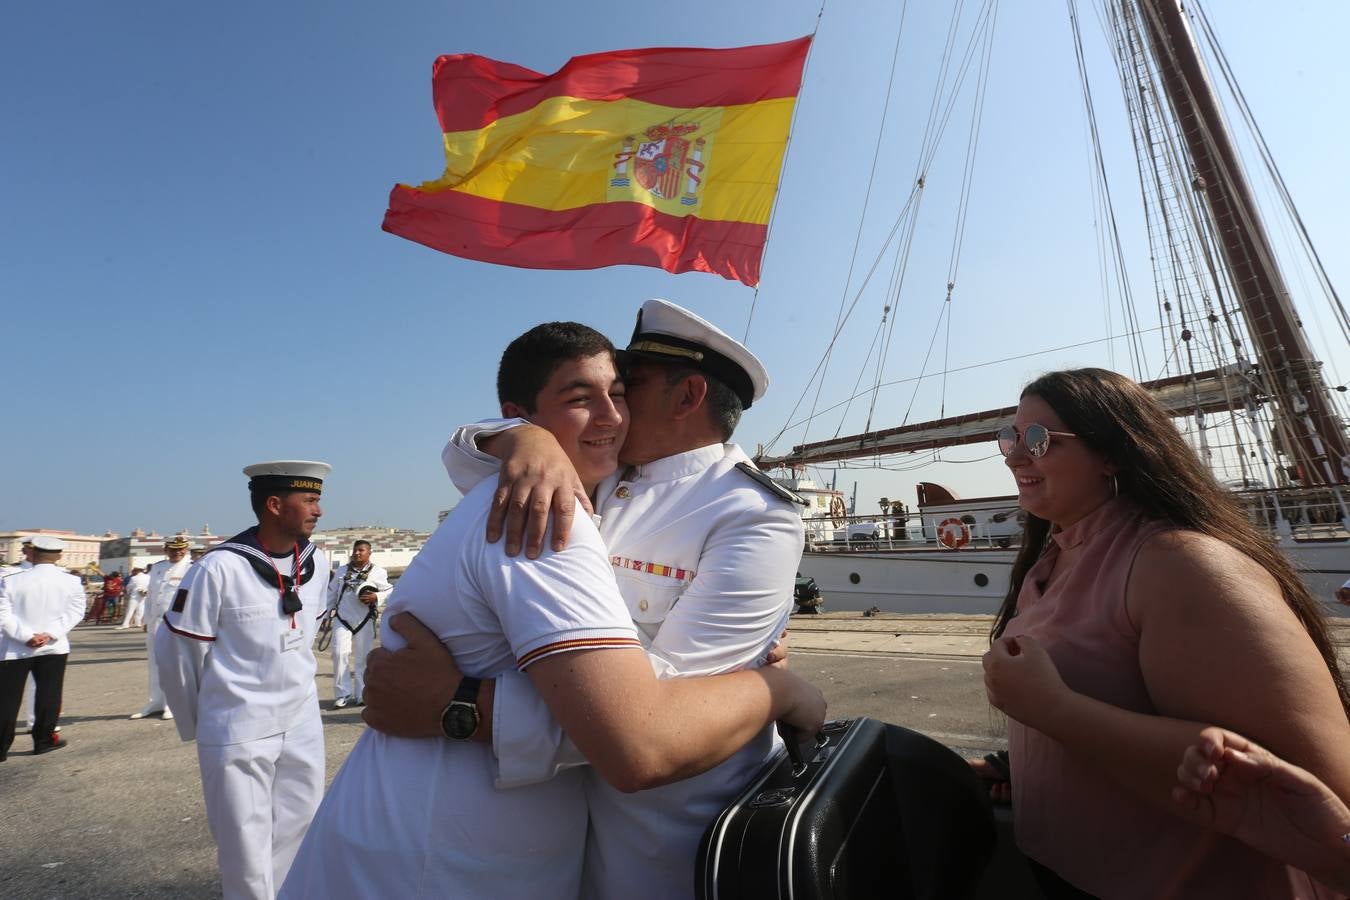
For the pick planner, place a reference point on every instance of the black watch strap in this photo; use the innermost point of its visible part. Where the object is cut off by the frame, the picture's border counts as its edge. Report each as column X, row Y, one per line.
column 468, row 690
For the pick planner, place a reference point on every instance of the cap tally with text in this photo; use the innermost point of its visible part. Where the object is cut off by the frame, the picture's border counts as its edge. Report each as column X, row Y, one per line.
column 287, row 475
column 671, row 333
column 46, row 544
column 177, row 542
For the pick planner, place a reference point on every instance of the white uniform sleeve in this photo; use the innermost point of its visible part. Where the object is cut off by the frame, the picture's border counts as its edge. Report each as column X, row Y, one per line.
column 740, row 598
column 559, row 603
column 73, row 613
column 334, row 590
column 379, row 578
column 464, row 462
column 183, row 642
column 9, row 623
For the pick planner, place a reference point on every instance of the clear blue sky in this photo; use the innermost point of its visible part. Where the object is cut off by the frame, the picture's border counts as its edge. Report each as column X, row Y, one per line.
column 193, row 277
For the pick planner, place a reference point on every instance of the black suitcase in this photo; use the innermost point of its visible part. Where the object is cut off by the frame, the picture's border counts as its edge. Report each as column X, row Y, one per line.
column 873, row 810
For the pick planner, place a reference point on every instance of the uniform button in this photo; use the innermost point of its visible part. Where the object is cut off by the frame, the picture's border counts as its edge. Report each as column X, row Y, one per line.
column 642, row 604
column 622, row 492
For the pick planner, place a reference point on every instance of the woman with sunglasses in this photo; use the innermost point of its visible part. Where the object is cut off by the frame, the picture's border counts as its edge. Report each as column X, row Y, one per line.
column 1144, row 606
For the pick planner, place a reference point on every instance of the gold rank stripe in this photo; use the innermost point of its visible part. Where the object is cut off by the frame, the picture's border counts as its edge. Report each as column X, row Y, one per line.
column 637, row 565
column 595, row 643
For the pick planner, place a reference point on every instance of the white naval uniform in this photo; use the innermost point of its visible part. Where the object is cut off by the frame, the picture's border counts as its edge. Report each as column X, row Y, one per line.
column 29, row 688
column 38, row 599
column 706, row 560
column 354, row 626
column 165, row 579
column 418, row 817
column 138, row 588
column 239, row 676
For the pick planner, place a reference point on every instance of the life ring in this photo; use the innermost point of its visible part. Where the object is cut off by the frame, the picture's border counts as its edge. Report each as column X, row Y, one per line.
column 953, row 534
column 837, row 511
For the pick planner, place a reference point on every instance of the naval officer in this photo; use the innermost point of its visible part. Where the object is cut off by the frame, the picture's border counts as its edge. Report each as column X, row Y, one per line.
column 705, row 550
column 6, row 571
column 38, row 608
column 236, row 664
column 355, row 597
column 165, row 577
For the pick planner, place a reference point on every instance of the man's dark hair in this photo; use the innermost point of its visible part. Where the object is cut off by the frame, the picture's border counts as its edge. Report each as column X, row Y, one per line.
column 724, row 407
column 530, row 360
column 362, row 543
column 258, row 500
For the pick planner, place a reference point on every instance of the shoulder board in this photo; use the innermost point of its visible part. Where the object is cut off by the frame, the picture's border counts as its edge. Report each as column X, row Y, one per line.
column 769, row 484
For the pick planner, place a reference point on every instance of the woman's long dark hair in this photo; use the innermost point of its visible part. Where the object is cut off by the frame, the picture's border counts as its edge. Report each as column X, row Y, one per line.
column 1161, row 474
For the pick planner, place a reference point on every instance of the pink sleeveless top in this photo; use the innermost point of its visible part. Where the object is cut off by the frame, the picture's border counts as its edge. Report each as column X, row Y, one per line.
column 1069, row 816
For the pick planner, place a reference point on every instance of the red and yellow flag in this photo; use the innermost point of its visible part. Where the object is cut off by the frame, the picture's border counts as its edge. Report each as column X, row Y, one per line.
column 660, row 157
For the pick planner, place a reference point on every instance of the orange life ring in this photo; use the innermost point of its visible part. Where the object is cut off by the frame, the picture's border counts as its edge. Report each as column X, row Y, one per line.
column 953, row 534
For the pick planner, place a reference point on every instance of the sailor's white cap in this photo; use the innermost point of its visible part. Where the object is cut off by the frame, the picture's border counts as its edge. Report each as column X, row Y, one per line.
column 287, row 475
column 671, row 333
column 48, row 544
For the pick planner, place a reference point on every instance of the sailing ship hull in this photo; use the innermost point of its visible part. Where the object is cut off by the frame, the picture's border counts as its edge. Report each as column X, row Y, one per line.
column 975, row 580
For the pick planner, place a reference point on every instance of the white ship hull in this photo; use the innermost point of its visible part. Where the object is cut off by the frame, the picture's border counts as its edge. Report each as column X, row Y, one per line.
column 948, row 581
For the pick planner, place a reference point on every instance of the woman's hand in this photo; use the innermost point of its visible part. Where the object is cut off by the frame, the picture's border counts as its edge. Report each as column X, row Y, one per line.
column 1022, row 681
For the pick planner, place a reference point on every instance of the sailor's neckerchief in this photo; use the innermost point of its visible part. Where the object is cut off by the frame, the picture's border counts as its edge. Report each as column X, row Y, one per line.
column 246, row 544
column 348, row 582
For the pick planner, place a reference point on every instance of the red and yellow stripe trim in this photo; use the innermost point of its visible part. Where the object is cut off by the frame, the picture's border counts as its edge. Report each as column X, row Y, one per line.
column 651, row 568
column 567, row 646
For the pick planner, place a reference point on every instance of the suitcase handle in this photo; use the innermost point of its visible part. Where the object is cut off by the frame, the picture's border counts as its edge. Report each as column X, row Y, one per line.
column 792, row 742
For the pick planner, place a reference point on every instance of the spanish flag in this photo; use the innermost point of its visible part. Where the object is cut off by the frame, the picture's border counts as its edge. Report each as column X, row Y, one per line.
column 660, row 157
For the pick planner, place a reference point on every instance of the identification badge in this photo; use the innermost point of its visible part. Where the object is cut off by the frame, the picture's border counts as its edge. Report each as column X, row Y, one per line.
column 292, row 638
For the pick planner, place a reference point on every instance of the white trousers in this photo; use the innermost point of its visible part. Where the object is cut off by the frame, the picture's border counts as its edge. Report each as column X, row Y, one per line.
column 349, row 659
column 156, row 700
column 260, row 798
column 135, row 609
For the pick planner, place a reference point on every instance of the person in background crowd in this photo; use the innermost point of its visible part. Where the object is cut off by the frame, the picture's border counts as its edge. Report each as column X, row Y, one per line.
column 355, row 597
column 165, row 577
column 108, row 597
column 38, row 608
column 196, row 553
column 1142, row 606
column 236, row 660
column 136, row 590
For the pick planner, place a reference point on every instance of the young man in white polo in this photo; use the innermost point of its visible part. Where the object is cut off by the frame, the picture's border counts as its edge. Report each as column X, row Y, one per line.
column 235, row 659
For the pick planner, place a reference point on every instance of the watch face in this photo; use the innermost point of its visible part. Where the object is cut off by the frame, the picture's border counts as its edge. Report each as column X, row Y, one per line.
column 460, row 721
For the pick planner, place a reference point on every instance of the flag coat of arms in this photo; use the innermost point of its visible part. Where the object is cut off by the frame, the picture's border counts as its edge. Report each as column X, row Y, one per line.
column 659, row 157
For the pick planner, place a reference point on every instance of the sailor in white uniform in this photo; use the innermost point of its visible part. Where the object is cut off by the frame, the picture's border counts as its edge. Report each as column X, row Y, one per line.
column 138, row 588
column 235, row 660
column 165, row 578
column 356, row 596
column 705, row 548
column 38, row 608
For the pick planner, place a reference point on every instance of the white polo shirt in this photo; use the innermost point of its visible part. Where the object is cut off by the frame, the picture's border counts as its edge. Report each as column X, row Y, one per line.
column 420, row 817
column 235, row 668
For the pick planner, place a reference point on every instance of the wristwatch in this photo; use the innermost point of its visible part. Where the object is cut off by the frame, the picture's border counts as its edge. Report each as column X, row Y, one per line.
column 459, row 721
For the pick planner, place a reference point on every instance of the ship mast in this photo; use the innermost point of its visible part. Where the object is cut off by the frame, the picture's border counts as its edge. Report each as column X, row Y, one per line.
column 1317, row 437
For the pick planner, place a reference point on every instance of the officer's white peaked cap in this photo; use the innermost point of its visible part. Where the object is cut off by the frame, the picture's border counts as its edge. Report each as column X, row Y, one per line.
column 671, row 333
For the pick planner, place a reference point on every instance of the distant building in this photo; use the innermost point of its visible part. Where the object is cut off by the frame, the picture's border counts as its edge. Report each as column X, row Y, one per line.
column 81, row 549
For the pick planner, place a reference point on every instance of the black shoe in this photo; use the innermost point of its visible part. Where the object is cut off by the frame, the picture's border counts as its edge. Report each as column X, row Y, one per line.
column 38, row 751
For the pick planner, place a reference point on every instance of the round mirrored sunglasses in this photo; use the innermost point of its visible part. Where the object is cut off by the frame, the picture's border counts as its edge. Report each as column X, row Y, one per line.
column 1035, row 437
